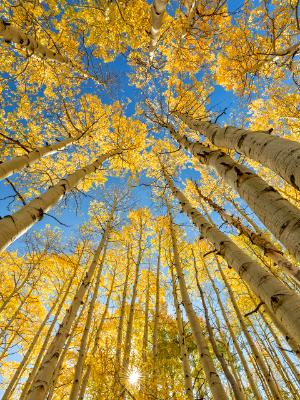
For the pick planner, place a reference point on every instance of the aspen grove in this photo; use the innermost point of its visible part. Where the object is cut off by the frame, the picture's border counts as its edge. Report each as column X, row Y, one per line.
column 149, row 200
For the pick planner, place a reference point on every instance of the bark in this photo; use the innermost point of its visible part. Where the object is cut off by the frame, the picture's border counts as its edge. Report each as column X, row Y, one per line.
column 128, row 338
column 258, row 239
column 64, row 352
column 122, row 311
column 15, row 225
column 156, row 315
column 184, row 356
column 41, row 383
column 96, row 340
column 279, row 154
column 289, row 362
column 243, row 214
column 282, row 328
column 12, row 33
column 275, row 212
column 234, row 367
column 249, row 374
column 258, row 372
column 157, row 13
column 146, row 320
column 233, row 383
column 15, row 164
column 276, row 363
column 283, row 302
column 84, row 340
column 264, row 368
column 211, row 374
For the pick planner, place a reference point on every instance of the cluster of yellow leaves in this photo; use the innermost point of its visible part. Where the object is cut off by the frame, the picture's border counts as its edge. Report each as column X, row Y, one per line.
column 278, row 110
column 114, row 27
column 252, row 46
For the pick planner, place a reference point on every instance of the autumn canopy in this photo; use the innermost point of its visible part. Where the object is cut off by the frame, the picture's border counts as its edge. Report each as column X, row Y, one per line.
column 149, row 193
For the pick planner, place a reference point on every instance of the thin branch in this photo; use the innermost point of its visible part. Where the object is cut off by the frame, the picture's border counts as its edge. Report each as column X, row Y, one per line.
column 255, row 309
column 16, row 191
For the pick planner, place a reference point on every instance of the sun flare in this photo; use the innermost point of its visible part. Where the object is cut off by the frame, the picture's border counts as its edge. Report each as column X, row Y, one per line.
column 134, row 377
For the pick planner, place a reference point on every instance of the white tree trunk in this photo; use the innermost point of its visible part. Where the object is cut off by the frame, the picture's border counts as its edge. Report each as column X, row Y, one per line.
column 146, row 324
column 236, row 344
column 275, row 212
column 157, row 13
column 64, row 352
column 15, row 164
column 15, row 225
column 279, row 154
column 263, row 366
column 122, row 311
column 282, row 328
column 11, row 33
column 258, row 239
column 284, row 303
column 128, row 338
column 156, row 316
column 236, row 388
column 188, row 384
column 85, row 379
column 211, row 374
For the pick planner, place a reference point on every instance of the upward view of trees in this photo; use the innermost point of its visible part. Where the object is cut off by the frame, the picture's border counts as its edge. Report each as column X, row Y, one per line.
column 150, row 215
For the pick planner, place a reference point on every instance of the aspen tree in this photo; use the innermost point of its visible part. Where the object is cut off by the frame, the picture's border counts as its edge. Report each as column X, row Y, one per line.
column 158, row 9
column 122, row 308
column 282, row 302
column 276, row 213
column 157, row 311
column 15, row 164
column 275, row 363
column 242, row 213
column 211, row 374
column 283, row 353
column 15, row 225
column 146, row 319
column 96, row 339
column 65, row 350
column 282, row 328
column 257, row 239
column 84, row 340
column 234, row 384
column 265, row 370
column 279, row 154
column 244, row 362
column 128, row 336
column 275, row 337
column 139, row 220
column 40, row 385
column 224, row 342
column 11, row 33
column 188, row 384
